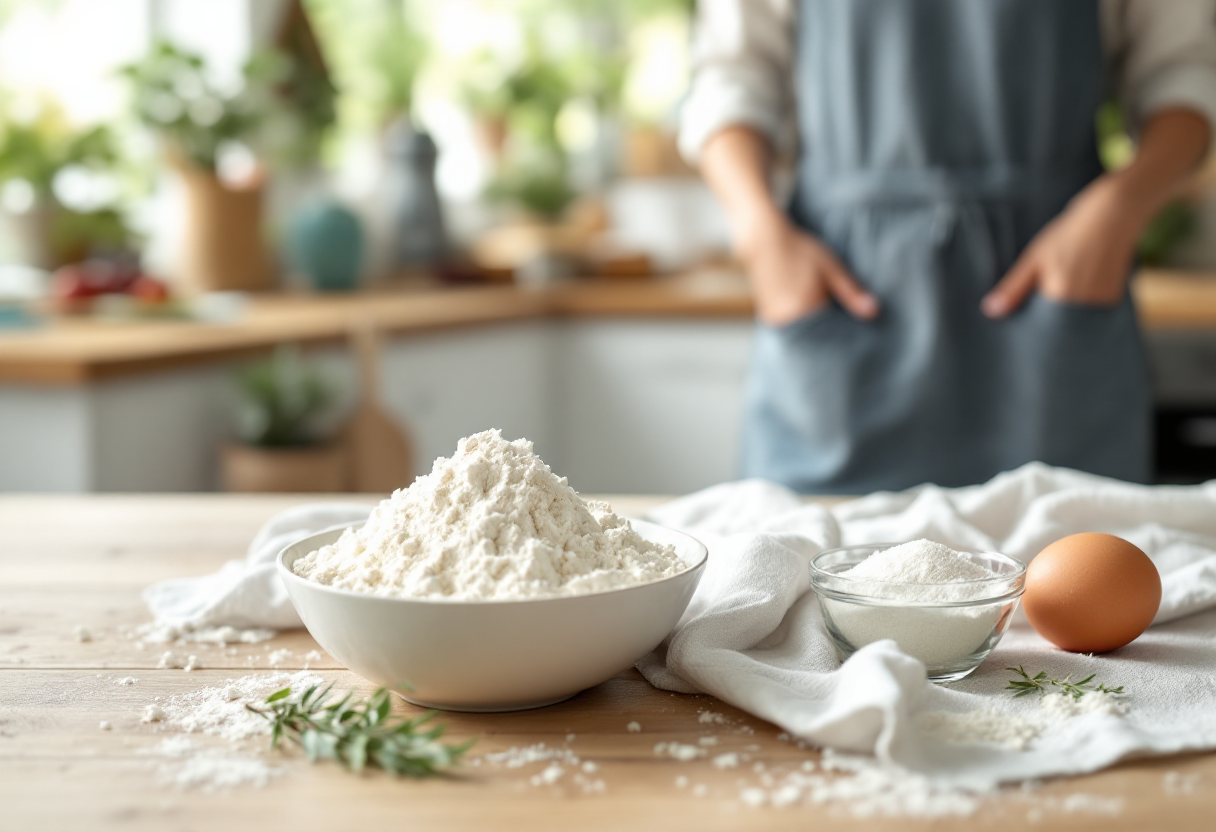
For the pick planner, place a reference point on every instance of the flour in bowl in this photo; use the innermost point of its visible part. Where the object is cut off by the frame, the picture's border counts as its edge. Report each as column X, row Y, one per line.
column 491, row 522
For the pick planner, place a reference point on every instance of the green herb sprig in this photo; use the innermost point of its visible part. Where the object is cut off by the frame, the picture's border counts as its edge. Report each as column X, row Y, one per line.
column 359, row 734
column 1039, row 683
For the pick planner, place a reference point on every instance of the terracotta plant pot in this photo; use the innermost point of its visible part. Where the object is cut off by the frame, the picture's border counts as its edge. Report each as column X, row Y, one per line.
column 223, row 249
column 320, row 469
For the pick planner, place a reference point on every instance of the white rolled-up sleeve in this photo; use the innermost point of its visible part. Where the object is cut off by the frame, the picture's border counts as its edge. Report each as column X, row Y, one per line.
column 742, row 71
column 1162, row 54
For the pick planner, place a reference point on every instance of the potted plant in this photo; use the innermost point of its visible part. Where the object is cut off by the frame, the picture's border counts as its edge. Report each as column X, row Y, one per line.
column 40, row 153
column 174, row 95
column 285, row 432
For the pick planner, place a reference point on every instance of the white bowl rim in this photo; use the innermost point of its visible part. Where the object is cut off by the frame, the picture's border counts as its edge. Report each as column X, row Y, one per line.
column 288, row 575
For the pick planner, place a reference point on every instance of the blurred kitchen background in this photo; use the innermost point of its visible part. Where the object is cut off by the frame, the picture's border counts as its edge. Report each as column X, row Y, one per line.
column 307, row 245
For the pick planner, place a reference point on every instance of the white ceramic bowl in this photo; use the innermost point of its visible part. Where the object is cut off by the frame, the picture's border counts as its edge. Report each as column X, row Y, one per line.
column 493, row 655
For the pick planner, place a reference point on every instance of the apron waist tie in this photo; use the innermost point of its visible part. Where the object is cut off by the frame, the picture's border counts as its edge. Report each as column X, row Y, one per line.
column 894, row 186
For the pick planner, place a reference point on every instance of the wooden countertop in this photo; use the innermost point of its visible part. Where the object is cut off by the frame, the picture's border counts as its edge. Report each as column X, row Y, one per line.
column 74, row 352
column 68, row 561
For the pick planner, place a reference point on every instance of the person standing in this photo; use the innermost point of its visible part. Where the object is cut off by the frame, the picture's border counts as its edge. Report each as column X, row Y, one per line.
column 945, row 296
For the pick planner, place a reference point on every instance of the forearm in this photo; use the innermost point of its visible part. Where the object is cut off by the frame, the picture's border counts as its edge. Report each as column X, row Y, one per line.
column 1173, row 143
column 735, row 162
column 793, row 273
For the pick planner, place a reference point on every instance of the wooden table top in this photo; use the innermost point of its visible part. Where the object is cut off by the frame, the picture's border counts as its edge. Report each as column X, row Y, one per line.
column 80, row 351
column 69, row 561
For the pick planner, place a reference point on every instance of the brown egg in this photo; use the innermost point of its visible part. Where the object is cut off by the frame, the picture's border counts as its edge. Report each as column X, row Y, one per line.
column 1090, row 593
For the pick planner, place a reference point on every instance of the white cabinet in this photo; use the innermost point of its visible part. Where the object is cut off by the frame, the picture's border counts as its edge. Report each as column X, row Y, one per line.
column 650, row 406
column 629, row 406
column 448, row 385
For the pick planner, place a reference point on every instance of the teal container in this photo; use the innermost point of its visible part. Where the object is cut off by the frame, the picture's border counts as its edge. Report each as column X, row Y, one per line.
column 325, row 244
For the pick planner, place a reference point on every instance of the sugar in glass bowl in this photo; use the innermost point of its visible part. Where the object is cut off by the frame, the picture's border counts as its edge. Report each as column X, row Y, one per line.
column 950, row 627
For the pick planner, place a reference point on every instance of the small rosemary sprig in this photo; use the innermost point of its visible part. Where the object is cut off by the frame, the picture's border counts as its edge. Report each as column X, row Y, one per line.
column 1040, row 683
column 358, row 734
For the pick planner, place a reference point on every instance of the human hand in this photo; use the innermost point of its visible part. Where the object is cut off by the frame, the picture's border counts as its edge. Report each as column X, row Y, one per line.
column 794, row 274
column 1083, row 256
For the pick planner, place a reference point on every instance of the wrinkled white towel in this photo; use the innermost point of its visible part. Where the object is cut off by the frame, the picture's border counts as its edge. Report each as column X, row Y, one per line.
column 248, row 593
column 753, row 635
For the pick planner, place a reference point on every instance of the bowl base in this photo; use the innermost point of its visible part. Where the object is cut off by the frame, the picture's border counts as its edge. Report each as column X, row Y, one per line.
column 945, row 678
column 486, row 709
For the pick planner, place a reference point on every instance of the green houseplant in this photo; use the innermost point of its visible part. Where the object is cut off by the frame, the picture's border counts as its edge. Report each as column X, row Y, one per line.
column 172, row 93
column 36, row 151
column 284, row 409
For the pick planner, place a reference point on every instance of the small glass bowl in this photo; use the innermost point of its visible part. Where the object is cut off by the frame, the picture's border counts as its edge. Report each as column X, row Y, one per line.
column 951, row 627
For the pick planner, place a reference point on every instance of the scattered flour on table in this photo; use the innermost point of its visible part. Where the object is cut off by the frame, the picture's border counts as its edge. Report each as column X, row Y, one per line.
column 919, row 572
column 170, row 660
column 218, row 711
column 1016, row 731
column 1176, row 783
column 221, row 710
column 864, row 788
column 559, row 761
column 191, row 765
column 517, row 757
column 168, row 632
column 728, row 760
column 679, row 751
column 493, row 521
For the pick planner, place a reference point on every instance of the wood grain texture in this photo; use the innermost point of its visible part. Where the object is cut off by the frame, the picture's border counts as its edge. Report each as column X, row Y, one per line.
column 79, row 351
column 66, row 561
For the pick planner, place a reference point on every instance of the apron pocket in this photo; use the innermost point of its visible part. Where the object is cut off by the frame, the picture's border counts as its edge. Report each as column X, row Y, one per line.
column 1085, row 375
column 807, row 322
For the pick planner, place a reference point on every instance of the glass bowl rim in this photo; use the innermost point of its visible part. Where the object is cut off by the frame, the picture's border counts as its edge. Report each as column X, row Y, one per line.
column 1014, row 582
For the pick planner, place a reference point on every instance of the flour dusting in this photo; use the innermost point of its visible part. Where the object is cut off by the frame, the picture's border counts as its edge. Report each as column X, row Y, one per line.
column 491, row 522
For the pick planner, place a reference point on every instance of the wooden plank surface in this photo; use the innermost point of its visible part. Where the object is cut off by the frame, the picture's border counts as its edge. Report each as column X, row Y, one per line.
column 69, row 561
column 80, row 351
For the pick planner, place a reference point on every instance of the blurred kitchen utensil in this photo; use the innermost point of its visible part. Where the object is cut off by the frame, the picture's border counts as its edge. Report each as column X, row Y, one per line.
column 381, row 456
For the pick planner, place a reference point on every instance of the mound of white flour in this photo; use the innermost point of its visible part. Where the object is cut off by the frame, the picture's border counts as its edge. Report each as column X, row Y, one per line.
column 492, row 522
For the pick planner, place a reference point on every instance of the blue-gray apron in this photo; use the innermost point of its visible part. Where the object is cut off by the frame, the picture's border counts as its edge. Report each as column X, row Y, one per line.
column 938, row 137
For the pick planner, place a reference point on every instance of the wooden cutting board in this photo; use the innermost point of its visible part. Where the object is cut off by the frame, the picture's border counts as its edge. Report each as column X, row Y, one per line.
column 381, row 455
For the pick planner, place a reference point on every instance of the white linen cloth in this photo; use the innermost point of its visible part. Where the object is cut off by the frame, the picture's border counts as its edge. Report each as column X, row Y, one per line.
column 248, row 593
column 753, row 635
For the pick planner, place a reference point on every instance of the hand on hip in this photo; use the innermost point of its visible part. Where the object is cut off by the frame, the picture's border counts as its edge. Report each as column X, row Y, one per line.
column 794, row 275
column 1083, row 256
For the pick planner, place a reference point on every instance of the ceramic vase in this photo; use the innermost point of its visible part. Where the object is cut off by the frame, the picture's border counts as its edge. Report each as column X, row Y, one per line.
column 411, row 199
column 325, row 245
